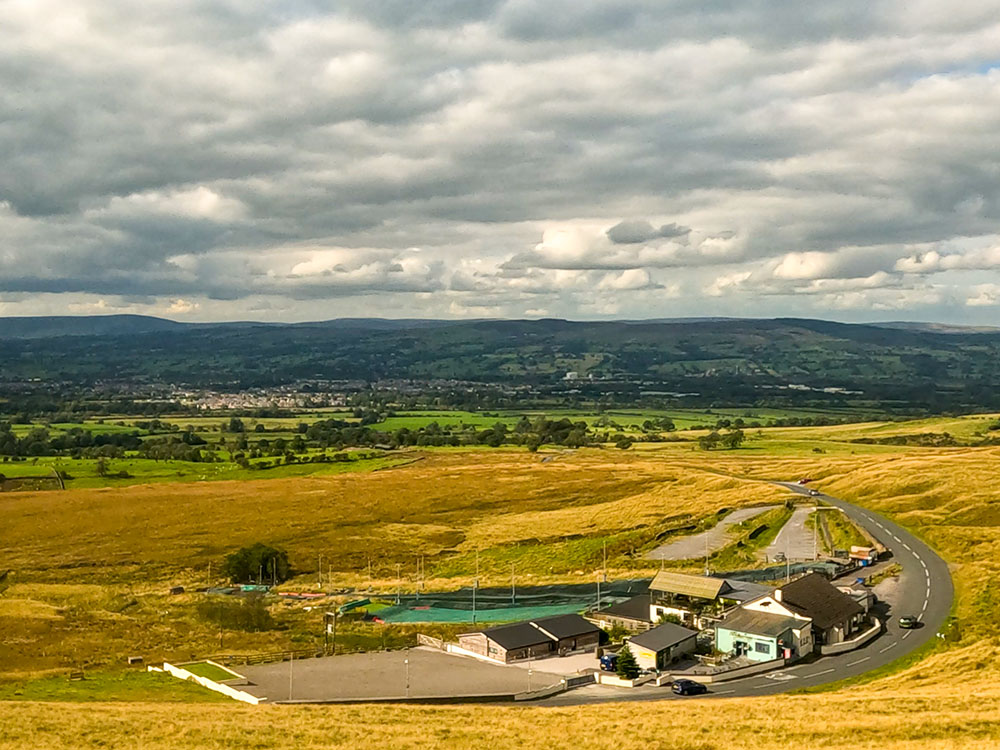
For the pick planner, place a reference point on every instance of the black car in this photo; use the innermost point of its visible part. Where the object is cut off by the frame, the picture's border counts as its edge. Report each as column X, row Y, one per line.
column 909, row 622
column 688, row 687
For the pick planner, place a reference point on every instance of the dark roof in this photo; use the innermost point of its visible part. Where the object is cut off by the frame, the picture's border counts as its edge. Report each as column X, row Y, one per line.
column 518, row 635
column 816, row 597
column 760, row 623
column 565, row 626
column 542, row 630
column 662, row 636
column 636, row 608
column 744, row 591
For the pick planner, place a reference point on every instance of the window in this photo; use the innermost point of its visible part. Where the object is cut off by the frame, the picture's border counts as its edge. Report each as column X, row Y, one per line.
column 762, row 648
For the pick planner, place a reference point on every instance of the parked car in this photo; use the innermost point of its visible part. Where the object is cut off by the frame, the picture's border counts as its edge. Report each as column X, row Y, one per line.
column 814, row 493
column 609, row 662
column 805, row 480
column 909, row 622
column 688, row 687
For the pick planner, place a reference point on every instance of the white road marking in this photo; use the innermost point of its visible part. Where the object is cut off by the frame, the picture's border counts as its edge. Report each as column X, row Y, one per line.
column 880, row 525
column 923, row 565
column 780, row 677
column 923, row 608
column 907, row 546
column 852, row 663
column 723, row 692
column 906, row 635
column 817, row 674
column 883, row 650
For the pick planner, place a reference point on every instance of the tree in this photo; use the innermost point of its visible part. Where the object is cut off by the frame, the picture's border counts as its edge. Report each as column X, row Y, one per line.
column 102, row 467
column 257, row 561
column 623, row 442
column 628, row 667
column 236, row 425
column 732, row 440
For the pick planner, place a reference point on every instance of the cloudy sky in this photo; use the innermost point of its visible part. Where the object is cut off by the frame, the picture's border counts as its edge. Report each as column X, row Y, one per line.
column 294, row 160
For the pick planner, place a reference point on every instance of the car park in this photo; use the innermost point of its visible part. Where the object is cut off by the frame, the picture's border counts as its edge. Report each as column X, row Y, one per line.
column 688, row 687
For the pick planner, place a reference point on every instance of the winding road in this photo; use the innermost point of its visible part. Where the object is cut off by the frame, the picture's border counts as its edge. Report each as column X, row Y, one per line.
column 925, row 591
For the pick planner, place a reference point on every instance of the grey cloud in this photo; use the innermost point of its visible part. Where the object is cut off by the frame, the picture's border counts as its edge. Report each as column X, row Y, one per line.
column 470, row 129
column 633, row 232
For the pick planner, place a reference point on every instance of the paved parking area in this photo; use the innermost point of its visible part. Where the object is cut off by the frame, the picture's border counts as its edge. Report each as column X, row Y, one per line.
column 795, row 540
column 717, row 537
column 383, row 676
column 562, row 665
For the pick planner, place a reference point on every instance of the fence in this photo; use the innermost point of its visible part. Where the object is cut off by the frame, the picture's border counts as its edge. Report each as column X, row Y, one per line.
column 431, row 641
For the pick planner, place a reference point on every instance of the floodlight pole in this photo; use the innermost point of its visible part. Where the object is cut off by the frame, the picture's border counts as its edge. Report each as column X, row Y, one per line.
column 319, row 569
column 399, row 582
column 406, row 663
column 291, row 663
column 513, row 594
column 475, row 588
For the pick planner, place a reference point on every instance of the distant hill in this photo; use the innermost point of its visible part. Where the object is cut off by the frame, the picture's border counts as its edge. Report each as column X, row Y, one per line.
column 83, row 325
column 732, row 360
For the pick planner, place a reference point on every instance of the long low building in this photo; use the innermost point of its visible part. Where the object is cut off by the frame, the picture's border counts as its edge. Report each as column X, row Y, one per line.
column 533, row 639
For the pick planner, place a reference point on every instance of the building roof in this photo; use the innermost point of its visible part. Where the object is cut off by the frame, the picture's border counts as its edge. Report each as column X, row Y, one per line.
column 698, row 587
column 517, row 635
column 662, row 636
column 816, row 597
column 744, row 591
column 760, row 623
column 565, row 626
column 636, row 608
column 543, row 630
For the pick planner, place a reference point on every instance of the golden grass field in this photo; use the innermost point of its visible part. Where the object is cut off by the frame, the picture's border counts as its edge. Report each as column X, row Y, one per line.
column 80, row 558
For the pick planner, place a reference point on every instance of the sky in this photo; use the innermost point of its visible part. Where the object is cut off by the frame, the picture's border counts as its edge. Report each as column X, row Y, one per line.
column 586, row 159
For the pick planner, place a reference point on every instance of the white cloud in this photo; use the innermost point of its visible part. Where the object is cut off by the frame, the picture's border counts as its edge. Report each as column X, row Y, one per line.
column 559, row 156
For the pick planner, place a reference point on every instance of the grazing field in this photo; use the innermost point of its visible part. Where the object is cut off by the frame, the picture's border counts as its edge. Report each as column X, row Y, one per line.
column 90, row 568
column 897, row 719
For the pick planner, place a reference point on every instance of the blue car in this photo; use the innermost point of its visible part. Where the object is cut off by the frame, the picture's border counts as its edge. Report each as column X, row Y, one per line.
column 609, row 662
column 688, row 687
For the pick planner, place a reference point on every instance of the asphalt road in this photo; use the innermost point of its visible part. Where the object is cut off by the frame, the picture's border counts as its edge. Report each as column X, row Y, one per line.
column 925, row 591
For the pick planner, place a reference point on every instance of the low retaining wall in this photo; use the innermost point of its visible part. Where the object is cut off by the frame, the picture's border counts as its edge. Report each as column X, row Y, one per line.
column 230, row 692
column 857, row 642
column 546, row 692
column 605, row 678
column 731, row 674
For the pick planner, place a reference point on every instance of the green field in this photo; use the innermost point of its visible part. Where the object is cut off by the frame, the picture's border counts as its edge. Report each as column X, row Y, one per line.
column 208, row 671
column 134, row 685
column 82, row 472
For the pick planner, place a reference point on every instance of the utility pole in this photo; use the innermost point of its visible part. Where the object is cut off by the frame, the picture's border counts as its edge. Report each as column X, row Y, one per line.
column 319, row 568
column 605, row 564
column 475, row 588
column 291, row 663
column 369, row 573
column 598, row 591
column 513, row 591
column 816, row 533
column 399, row 582
column 706, row 552
column 406, row 663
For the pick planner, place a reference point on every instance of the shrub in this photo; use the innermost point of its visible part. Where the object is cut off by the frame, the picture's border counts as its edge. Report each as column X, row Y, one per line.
column 628, row 668
column 258, row 561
